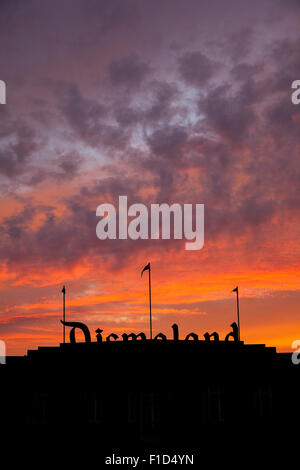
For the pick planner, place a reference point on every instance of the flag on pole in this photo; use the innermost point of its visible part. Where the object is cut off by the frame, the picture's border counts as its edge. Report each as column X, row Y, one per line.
column 146, row 268
column 64, row 312
column 238, row 310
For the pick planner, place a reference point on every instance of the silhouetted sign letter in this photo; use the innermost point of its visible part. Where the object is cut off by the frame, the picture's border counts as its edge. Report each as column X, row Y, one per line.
column 112, row 336
column 193, row 336
column 215, row 336
column 234, row 333
column 161, row 337
column 80, row 326
column 98, row 335
column 175, row 332
column 133, row 336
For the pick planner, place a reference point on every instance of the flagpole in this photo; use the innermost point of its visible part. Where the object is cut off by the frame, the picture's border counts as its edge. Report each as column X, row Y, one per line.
column 64, row 313
column 150, row 302
column 238, row 312
column 148, row 268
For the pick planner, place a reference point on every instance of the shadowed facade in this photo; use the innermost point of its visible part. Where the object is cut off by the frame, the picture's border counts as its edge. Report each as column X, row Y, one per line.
column 143, row 392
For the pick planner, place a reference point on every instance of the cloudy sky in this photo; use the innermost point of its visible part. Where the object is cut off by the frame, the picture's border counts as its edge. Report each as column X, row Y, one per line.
column 163, row 101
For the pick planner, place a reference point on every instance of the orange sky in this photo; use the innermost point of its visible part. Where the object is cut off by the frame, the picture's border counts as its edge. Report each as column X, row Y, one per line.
column 189, row 107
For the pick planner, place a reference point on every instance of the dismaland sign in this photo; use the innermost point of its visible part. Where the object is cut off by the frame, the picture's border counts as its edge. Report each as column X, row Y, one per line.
column 213, row 337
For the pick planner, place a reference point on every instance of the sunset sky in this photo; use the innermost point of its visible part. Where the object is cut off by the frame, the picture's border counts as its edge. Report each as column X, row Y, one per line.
column 165, row 101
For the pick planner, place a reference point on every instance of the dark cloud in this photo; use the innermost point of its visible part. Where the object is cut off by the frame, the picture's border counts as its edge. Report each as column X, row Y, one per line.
column 20, row 150
column 83, row 114
column 244, row 71
column 283, row 116
column 229, row 113
column 158, row 109
column 69, row 165
column 128, row 71
column 16, row 152
column 213, row 124
column 237, row 44
column 196, row 68
column 164, row 95
column 285, row 55
column 168, row 141
column 90, row 119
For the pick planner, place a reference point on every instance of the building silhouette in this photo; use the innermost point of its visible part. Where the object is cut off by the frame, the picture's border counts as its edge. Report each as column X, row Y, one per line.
column 157, row 393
